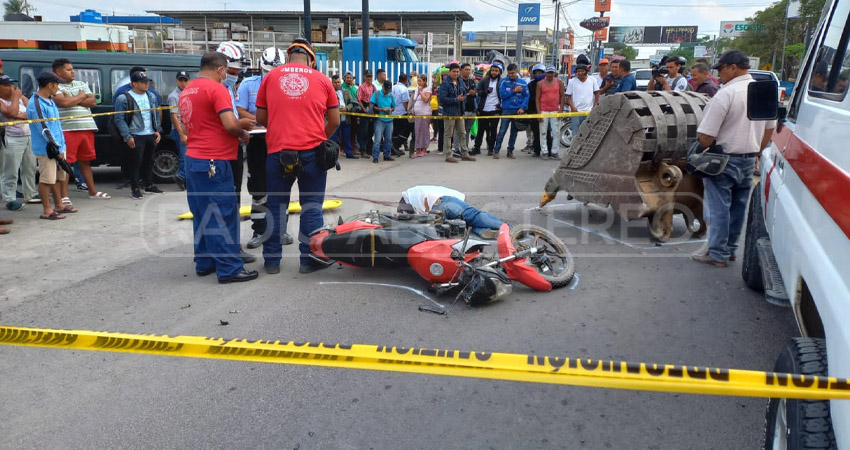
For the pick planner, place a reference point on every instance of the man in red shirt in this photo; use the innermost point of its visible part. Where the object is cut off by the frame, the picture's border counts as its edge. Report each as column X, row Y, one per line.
column 293, row 103
column 213, row 137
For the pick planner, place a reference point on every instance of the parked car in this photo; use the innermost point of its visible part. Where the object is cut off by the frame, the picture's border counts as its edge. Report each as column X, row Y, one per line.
column 642, row 77
column 797, row 246
column 763, row 75
column 105, row 72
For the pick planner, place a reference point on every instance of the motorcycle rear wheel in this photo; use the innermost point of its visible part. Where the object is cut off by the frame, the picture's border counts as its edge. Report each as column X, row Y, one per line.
column 556, row 265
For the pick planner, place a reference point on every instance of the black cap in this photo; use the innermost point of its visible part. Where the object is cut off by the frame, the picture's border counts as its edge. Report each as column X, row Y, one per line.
column 367, row 73
column 735, row 57
column 47, row 77
column 6, row 79
column 182, row 75
column 139, row 76
column 388, row 84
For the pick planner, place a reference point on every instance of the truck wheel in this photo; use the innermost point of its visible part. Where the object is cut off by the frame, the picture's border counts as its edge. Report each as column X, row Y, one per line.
column 165, row 165
column 756, row 229
column 795, row 424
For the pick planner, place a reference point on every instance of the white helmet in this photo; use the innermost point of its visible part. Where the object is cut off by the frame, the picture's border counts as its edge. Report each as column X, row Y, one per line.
column 235, row 54
column 271, row 58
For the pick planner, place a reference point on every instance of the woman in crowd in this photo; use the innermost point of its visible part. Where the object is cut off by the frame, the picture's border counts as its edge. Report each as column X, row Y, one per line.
column 420, row 105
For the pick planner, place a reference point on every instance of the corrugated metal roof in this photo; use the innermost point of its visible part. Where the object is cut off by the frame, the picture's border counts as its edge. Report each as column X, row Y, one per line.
column 462, row 15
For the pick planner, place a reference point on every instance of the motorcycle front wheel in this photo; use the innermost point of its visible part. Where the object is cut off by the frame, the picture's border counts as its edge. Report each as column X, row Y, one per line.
column 556, row 264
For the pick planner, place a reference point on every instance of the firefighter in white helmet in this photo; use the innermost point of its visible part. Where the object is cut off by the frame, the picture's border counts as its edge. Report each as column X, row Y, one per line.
column 246, row 105
column 237, row 62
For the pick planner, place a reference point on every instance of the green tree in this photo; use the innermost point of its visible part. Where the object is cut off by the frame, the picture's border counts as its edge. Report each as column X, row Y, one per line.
column 14, row 6
column 685, row 51
column 623, row 50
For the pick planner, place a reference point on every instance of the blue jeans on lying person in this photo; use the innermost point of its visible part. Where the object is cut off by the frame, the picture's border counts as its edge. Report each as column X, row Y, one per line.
column 456, row 208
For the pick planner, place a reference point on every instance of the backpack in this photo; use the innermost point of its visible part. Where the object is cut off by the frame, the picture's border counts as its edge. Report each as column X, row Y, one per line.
column 128, row 118
column 688, row 86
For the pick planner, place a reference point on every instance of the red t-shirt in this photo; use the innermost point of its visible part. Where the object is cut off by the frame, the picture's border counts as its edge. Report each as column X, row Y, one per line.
column 200, row 104
column 297, row 98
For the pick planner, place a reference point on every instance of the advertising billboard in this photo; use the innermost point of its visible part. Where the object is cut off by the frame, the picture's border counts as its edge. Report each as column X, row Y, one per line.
column 653, row 35
column 735, row 28
column 528, row 16
column 602, row 6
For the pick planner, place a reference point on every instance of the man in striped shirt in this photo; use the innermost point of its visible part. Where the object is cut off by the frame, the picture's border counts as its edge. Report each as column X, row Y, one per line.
column 76, row 99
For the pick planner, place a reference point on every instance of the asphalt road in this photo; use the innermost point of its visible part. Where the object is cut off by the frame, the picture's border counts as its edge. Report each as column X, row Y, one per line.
column 124, row 265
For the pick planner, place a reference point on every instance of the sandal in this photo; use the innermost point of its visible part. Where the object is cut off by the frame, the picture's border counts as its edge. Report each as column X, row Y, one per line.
column 67, row 209
column 66, row 201
column 53, row 216
column 102, row 195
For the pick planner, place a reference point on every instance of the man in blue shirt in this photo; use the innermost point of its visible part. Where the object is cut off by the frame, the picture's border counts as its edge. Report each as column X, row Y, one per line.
column 514, row 95
column 384, row 105
column 627, row 78
column 246, row 107
column 48, row 170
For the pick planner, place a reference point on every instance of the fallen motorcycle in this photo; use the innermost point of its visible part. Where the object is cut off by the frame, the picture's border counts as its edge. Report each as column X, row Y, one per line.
column 442, row 253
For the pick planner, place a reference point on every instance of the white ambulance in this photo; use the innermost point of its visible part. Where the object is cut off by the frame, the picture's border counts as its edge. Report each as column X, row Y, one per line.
column 798, row 235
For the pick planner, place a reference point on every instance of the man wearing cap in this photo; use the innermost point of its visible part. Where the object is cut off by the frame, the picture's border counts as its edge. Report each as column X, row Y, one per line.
column 296, row 93
column 178, row 131
column 550, row 99
column 213, row 132
column 18, row 155
column 257, row 151
column 49, row 173
column 76, row 99
column 725, row 124
column 514, row 94
column 489, row 104
column 604, row 64
column 140, row 130
column 367, row 124
column 383, row 104
column 538, row 73
column 452, row 95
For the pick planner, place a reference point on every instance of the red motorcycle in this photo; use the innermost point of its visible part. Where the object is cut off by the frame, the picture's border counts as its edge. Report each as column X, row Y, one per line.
column 442, row 253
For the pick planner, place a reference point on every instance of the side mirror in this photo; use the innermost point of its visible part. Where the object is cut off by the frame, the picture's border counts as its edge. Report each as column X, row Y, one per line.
column 762, row 100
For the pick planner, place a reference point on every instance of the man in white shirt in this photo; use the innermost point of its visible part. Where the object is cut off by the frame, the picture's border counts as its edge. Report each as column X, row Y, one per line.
column 489, row 103
column 673, row 81
column 401, row 128
column 582, row 95
column 725, row 124
column 424, row 199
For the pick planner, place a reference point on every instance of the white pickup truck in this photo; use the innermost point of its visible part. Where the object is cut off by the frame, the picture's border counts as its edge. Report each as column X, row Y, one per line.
column 797, row 247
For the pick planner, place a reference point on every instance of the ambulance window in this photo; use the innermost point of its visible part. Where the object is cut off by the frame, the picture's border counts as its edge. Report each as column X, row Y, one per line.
column 831, row 70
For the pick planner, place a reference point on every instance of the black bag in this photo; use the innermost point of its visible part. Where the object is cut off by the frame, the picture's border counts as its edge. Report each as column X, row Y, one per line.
column 290, row 163
column 706, row 163
column 327, row 155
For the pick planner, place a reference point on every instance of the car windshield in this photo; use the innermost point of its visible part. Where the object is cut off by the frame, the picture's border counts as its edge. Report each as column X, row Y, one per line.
column 410, row 55
column 643, row 74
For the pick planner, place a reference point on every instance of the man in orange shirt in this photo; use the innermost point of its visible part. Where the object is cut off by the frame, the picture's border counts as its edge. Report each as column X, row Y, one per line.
column 213, row 134
column 295, row 93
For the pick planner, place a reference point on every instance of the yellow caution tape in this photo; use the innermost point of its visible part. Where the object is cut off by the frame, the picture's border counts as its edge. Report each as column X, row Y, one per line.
column 473, row 364
column 83, row 116
column 505, row 116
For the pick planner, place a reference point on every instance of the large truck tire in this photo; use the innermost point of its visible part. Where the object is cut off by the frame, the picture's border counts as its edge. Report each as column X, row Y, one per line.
column 756, row 229
column 795, row 424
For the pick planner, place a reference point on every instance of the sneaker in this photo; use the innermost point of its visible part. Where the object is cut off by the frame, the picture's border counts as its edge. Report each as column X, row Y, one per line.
column 153, row 189
column 495, row 156
column 489, row 152
column 254, row 242
column 468, row 158
column 511, row 155
column 287, row 239
column 451, row 159
column 389, row 158
column 14, row 206
column 554, row 156
column 137, row 194
column 122, row 184
column 82, row 186
column 36, row 199
column 375, row 160
column 489, row 234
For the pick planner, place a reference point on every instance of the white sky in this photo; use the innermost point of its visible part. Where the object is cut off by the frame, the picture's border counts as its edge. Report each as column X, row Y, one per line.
column 488, row 14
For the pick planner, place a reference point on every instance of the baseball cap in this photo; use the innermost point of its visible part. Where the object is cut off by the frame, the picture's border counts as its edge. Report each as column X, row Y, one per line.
column 550, row 69
column 367, row 73
column 6, row 79
column 47, row 77
column 182, row 74
column 735, row 57
column 603, row 61
column 348, row 73
column 139, row 76
column 388, row 84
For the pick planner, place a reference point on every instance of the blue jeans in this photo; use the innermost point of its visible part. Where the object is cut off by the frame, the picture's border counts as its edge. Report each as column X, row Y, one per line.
column 216, row 222
column 455, row 208
column 726, row 197
column 181, row 153
column 311, row 194
column 503, row 129
column 342, row 136
column 385, row 130
column 575, row 122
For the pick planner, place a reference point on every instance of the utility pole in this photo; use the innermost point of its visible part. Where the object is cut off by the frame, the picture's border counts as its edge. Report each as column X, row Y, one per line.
column 365, row 35
column 308, row 22
column 506, row 27
column 555, row 34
